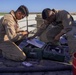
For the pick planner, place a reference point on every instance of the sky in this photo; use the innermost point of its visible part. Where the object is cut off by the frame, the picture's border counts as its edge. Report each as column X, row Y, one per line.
column 38, row 5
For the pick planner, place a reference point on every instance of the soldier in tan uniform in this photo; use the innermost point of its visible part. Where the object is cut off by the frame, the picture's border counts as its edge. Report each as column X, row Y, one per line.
column 63, row 23
column 10, row 33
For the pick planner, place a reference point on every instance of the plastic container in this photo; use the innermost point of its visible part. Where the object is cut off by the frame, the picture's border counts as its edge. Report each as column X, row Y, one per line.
column 74, row 64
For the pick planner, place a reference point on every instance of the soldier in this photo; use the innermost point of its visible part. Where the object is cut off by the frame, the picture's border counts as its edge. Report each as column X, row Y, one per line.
column 63, row 23
column 10, row 34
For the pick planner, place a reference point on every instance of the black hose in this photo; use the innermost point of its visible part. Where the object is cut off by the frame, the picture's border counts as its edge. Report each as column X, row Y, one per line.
column 34, row 69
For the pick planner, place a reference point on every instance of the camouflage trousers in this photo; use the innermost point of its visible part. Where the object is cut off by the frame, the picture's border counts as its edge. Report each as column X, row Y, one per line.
column 71, row 38
column 11, row 51
column 49, row 34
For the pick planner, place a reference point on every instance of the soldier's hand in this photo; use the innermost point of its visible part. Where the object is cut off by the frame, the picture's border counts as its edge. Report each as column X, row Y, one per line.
column 57, row 38
column 25, row 33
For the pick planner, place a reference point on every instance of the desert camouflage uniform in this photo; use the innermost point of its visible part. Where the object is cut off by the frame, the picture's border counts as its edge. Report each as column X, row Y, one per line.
column 9, row 28
column 63, row 23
